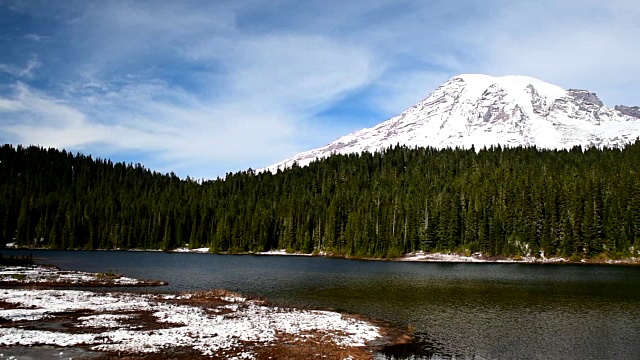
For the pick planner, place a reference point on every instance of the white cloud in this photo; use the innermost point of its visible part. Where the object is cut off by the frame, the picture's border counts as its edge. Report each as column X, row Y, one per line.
column 256, row 91
column 273, row 86
column 45, row 121
column 206, row 88
column 7, row 105
column 173, row 133
column 297, row 72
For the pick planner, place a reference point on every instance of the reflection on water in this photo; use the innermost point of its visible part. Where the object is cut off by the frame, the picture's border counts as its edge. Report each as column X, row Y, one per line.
column 482, row 311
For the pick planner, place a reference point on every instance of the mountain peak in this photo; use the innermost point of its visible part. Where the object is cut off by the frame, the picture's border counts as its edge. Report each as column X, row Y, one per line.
column 477, row 84
column 482, row 110
column 521, row 79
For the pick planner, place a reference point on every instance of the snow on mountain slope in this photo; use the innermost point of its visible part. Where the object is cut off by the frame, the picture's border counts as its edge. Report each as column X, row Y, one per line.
column 483, row 110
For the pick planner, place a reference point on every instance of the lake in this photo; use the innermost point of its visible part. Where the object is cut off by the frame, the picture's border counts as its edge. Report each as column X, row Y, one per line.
column 456, row 310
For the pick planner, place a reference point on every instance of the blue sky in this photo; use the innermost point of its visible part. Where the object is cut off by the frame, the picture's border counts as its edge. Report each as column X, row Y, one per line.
column 202, row 88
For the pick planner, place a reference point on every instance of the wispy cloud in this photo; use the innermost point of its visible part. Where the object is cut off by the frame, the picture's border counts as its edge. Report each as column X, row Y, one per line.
column 203, row 88
column 34, row 37
column 27, row 71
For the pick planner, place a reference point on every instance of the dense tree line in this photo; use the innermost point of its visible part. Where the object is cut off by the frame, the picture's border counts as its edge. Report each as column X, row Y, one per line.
column 495, row 201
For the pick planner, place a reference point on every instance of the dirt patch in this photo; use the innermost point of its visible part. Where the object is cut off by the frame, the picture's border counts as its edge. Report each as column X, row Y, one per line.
column 7, row 305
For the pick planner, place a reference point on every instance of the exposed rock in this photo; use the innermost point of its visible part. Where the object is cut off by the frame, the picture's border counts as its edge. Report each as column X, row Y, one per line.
column 633, row 111
column 537, row 102
column 585, row 95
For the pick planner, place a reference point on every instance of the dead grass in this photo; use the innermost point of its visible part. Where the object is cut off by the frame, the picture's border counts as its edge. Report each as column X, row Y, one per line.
column 308, row 345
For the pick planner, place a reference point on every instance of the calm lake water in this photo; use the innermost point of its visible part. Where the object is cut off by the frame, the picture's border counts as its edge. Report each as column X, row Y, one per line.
column 481, row 311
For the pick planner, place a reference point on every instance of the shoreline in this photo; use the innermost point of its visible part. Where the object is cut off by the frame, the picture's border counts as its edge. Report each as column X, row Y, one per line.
column 39, row 318
column 419, row 256
column 479, row 258
column 189, row 325
column 46, row 276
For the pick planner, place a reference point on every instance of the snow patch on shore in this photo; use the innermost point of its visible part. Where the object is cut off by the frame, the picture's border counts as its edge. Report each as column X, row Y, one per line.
column 187, row 250
column 103, row 321
column 477, row 257
column 38, row 274
column 191, row 326
column 282, row 252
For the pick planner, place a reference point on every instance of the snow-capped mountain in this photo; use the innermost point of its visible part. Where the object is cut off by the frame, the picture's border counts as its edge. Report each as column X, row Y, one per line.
column 482, row 110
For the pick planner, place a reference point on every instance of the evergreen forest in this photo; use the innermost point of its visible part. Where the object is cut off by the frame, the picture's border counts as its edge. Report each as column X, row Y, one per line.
column 516, row 201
